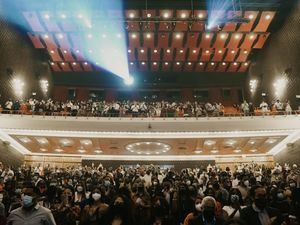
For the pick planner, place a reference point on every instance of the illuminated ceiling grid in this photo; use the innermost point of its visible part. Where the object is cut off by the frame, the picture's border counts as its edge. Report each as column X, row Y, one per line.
column 156, row 46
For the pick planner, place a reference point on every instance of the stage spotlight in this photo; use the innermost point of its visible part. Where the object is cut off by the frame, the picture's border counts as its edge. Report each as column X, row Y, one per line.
column 129, row 81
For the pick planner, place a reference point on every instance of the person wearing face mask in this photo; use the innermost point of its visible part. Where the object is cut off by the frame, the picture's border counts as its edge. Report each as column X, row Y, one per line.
column 30, row 212
column 259, row 213
column 80, row 197
column 96, row 212
column 207, row 215
column 232, row 211
column 197, row 210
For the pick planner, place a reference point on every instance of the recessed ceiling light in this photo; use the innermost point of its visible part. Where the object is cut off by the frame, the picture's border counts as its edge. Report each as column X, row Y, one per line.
column 189, row 63
column 212, row 63
column 214, row 151
column 143, row 63
column 183, row 15
column 252, row 142
column 131, row 15
column 237, row 150
column 148, row 35
column 207, row 36
column 154, row 63
column 268, row 17
column 207, row 51
column 245, row 52
column 86, row 142
column 98, row 151
column 251, row 16
column 168, row 50
column 46, row 36
column 59, row 150
column 63, row 63
column 133, row 35
column 209, row 142
column 166, row 15
column 232, row 51
column 52, row 63
column 237, row 36
column 220, row 51
column 129, row 51
column 200, row 15
column 223, row 36
column 198, row 151
column 271, row 140
column 178, row 63
column 43, row 149
column 178, row 36
column 52, row 52
column 253, row 150
column 142, row 50
column 246, row 64
column 157, row 153
column 131, row 63
column 194, row 51
column 25, row 139
column 74, row 63
column 85, row 63
column 166, row 63
column 155, row 50
column 223, row 63
column 65, row 51
column 181, row 51
column 77, row 51
column 81, row 150
column 200, row 63
column 235, row 63
column 148, row 15
column 251, row 36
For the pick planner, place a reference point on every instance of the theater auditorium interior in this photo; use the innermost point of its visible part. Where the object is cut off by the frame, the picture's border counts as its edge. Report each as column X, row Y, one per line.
column 150, row 112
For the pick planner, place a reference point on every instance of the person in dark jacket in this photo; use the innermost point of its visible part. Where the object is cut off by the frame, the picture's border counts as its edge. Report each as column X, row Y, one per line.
column 259, row 213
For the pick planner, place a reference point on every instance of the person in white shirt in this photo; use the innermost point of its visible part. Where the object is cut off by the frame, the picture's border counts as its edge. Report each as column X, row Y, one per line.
column 288, row 108
column 232, row 211
column 264, row 108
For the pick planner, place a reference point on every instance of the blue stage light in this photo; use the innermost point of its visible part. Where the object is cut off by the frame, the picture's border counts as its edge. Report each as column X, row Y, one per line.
column 103, row 35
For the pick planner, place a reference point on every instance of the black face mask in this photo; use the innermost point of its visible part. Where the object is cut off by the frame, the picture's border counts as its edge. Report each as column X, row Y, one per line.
column 209, row 214
column 260, row 203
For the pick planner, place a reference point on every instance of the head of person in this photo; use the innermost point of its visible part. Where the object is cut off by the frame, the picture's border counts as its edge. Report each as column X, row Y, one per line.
column 67, row 196
column 208, row 208
column 29, row 196
column 96, row 195
column 198, row 204
column 259, row 196
column 235, row 197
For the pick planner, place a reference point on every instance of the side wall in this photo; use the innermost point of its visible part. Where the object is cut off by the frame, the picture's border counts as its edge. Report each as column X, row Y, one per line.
column 279, row 59
column 9, row 156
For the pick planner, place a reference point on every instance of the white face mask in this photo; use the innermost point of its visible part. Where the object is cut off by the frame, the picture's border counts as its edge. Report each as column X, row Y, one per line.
column 96, row 196
column 246, row 183
column 198, row 207
column 188, row 183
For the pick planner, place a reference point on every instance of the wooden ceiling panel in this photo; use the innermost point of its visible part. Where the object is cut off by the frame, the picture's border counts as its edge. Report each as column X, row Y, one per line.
column 35, row 39
column 177, row 39
column 221, row 40
column 248, row 41
column 206, row 55
column 149, row 38
column 180, row 54
column 134, row 39
column 247, row 27
column 163, row 40
column 206, row 40
column 218, row 55
column 33, row 21
column 235, row 40
column 264, row 22
column 262, row 38
column 192, row 40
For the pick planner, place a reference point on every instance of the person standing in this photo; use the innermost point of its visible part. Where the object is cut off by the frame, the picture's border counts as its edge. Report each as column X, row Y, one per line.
column 30, row 212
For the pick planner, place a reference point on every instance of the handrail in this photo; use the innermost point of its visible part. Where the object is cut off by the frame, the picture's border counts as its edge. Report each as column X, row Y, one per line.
column 144, row 114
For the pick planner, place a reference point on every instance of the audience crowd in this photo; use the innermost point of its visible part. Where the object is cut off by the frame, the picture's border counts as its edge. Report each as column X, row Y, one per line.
column 141, row 109
column 250, row 194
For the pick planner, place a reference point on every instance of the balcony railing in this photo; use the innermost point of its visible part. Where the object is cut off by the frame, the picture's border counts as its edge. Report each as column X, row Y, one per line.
column 76, row 114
